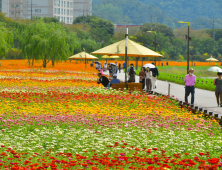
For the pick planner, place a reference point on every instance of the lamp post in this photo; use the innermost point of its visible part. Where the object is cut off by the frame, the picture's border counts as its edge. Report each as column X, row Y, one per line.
column 154, row 42
column 188, row 39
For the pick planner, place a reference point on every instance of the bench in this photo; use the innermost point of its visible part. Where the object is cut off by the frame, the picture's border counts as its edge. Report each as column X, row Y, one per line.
column 131, row 86
column 135, row 86
column 120, row 86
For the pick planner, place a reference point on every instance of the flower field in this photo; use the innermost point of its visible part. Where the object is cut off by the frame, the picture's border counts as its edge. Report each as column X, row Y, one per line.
column 57, row 119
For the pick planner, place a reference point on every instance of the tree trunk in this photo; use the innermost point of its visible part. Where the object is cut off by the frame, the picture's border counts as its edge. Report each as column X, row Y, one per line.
column 53, row 63
column 32, row 62
column 44, row 62
column 29, row 62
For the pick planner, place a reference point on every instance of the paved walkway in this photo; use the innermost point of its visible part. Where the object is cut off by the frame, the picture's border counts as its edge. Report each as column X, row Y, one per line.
column 203, row 98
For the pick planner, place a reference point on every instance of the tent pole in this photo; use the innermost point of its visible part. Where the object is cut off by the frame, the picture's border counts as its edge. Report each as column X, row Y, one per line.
column 126, row 58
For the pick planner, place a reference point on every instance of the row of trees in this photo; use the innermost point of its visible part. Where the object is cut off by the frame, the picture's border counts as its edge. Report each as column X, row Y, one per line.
column 198, row 13
column 49, row 40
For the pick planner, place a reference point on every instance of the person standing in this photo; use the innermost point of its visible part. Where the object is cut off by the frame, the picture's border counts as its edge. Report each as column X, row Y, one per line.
column 155, row 74
column 218, row 89
column 102, row 79
column 142, row 76
column 190, row 80
column 119, row 67
column 110, row 70
column 148, row 79
column 105, row 66
column 131, row 73
column 124, row 65
column 116, row 65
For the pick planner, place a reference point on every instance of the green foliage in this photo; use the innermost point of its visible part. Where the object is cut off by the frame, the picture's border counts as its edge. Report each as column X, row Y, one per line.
column 14, row 54
column 100, row 29
column 6, row 39
column 46, row 41
column 160, row 28
column 130, row 12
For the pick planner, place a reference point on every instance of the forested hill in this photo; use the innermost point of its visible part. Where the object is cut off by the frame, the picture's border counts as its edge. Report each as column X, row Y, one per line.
column 199, row 12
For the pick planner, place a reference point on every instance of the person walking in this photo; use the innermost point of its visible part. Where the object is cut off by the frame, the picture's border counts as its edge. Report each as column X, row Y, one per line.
column 142, row 76
column 148, row 79
column 190, row 80
column 131, row 73
column 119, row 67
column 155, row 74
column 110, row 70
column 218, row 89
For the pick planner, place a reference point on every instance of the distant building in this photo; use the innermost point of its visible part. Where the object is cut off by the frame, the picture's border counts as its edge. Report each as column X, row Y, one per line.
column 82, row 8
column 62, row 9
column 4, row 6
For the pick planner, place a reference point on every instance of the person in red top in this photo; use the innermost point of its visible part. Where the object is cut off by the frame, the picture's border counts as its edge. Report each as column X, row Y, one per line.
column 190, row 80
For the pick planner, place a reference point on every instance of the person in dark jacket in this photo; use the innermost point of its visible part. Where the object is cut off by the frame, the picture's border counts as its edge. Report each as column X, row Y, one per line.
column 119, row 67
column 155, row 74
column 102, row 79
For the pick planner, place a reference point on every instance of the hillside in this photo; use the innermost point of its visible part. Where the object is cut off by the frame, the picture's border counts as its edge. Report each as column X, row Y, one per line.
column 198, row 12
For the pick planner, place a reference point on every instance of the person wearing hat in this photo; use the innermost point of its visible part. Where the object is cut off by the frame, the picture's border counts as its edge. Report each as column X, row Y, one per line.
column 190, row 80
column 115, row 80
column 218, row 89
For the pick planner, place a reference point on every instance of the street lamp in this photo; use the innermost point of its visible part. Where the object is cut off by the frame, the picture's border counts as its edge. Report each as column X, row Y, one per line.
column 154, row 42
column 188, row 39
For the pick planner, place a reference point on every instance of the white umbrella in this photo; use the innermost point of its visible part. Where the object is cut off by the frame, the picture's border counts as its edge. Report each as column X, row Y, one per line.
column 215, row 69
column 149, row 65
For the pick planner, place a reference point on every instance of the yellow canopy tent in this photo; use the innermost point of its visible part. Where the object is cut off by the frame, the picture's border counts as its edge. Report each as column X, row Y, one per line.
column 211, row 59
column 82, row 55
column 133, row 50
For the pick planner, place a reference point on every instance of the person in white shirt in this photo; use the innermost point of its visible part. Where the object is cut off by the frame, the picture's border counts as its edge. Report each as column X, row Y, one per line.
column 148, row 79
column 105, row 66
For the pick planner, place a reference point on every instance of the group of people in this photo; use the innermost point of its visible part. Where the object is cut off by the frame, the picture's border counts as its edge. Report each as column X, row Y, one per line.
column 147, row 76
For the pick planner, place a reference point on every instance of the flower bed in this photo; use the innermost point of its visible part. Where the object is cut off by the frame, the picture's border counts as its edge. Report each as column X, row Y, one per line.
column 64, row 120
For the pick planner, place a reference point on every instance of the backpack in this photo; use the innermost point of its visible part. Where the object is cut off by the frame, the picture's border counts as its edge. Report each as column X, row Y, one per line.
column 131, row 71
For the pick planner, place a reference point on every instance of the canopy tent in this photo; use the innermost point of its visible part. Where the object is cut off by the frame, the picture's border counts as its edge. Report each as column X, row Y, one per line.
column 107, row 56
column 127, row 48
column 211, row 59
column 82, row 55
column 133, row 50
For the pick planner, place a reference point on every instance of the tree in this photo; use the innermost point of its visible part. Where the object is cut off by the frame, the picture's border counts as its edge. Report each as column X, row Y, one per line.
column 100, row 29
column 159, row 28
column 47, row 41
column 6, row 39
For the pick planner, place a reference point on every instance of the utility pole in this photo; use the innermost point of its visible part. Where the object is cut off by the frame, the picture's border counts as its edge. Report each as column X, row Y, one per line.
column 151, row 22
column 213, row 30
column 83, row 16
column 31, row 9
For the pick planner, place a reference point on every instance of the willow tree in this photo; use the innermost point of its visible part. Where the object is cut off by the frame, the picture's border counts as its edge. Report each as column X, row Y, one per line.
column 46, row 41
column 6, row 39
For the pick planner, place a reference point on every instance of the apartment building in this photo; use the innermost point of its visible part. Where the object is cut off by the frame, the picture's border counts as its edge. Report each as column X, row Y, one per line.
column 62, row 9
column 82, row 8
column 4, row 6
